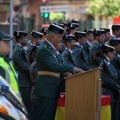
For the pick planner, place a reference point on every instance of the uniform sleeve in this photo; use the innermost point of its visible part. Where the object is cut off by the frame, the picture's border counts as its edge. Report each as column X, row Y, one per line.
column 2, row 72
column 108, row 82
column 93, row 50
column 63, row 60
column 45, row 57
column 116, row 66
column 65, row 57
column 92, row 55
column 21, row 63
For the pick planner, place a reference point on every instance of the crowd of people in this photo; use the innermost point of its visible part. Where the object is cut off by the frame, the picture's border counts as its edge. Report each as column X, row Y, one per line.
column 61, row 50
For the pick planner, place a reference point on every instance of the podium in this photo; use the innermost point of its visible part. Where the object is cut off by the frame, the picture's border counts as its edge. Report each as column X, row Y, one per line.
column 83, row 96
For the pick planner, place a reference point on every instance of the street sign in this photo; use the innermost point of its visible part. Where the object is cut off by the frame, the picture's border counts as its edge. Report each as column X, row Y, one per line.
column 43, row 1
column 56, row 8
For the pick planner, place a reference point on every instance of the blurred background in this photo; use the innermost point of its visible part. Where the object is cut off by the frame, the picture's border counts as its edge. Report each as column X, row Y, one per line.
column 35, row 14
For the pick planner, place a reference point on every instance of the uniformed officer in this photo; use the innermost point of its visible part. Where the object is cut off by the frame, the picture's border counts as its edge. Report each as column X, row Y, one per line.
column 89, row 36
column 65, row 25
column 115, row 42
column 31, row 56
column 60, row 57
column 116, row 30
column 79, row 53
column 20, row 60
column 107, row 35
column 62, row 44
column 47, row 86
column 33, row 72
column 72, row 28
column 109, row 77
column 7, row 70
column 44, row 32
column 90, row 39
column 36, row 39
column 99, row 36
column 69, row 41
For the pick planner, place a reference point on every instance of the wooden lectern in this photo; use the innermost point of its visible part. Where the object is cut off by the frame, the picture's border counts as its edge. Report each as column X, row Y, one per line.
column 83, row 96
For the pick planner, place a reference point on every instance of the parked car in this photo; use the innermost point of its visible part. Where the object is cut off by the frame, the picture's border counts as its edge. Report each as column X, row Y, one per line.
column 11, row 108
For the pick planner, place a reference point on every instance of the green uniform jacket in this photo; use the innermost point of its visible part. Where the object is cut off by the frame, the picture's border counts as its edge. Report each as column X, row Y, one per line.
column 69, row 58
column 86, row 48
column 95, row 62
column 21, row 67
column 108, row 84
column 81, row 58
column 29, row 49
column 46, row 59
column 116, row 63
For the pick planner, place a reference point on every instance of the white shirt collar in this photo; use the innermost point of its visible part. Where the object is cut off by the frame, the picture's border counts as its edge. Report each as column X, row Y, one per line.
column 107, row 61
column 89, row 43
column 77, row 43
column 70, row 50
column 57, row 52
column 107, row 58
column 19, row 44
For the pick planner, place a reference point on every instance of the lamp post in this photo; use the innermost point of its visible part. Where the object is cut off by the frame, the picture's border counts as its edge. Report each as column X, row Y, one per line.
column 11, row 27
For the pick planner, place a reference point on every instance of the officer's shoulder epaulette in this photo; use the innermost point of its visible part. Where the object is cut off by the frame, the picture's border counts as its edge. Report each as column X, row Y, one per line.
column 45, row 46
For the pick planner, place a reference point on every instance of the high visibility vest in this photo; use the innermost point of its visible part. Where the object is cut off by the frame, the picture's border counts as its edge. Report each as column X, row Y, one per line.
column 10, row 74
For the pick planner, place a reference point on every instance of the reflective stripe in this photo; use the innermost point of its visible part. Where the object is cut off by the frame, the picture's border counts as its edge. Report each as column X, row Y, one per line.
column 10, row 76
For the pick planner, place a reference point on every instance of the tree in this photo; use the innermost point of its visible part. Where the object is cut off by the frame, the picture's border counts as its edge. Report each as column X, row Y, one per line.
column 56, row 16
column 110, row 8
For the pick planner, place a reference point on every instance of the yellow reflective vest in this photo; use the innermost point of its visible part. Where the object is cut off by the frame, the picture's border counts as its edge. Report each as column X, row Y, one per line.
column 10, row 74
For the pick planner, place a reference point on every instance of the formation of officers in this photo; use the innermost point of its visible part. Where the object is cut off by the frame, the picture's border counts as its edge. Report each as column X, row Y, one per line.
column 56, row 52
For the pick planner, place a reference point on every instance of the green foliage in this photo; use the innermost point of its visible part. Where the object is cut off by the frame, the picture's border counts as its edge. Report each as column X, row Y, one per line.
column 56, row 16
column 104, row 7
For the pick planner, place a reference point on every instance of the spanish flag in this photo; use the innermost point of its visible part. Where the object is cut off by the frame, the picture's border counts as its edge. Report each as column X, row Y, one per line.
column 60, row 113
column 105, row 112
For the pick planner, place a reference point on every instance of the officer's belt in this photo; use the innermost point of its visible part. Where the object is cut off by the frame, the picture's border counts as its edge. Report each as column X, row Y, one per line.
column 48, row 73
